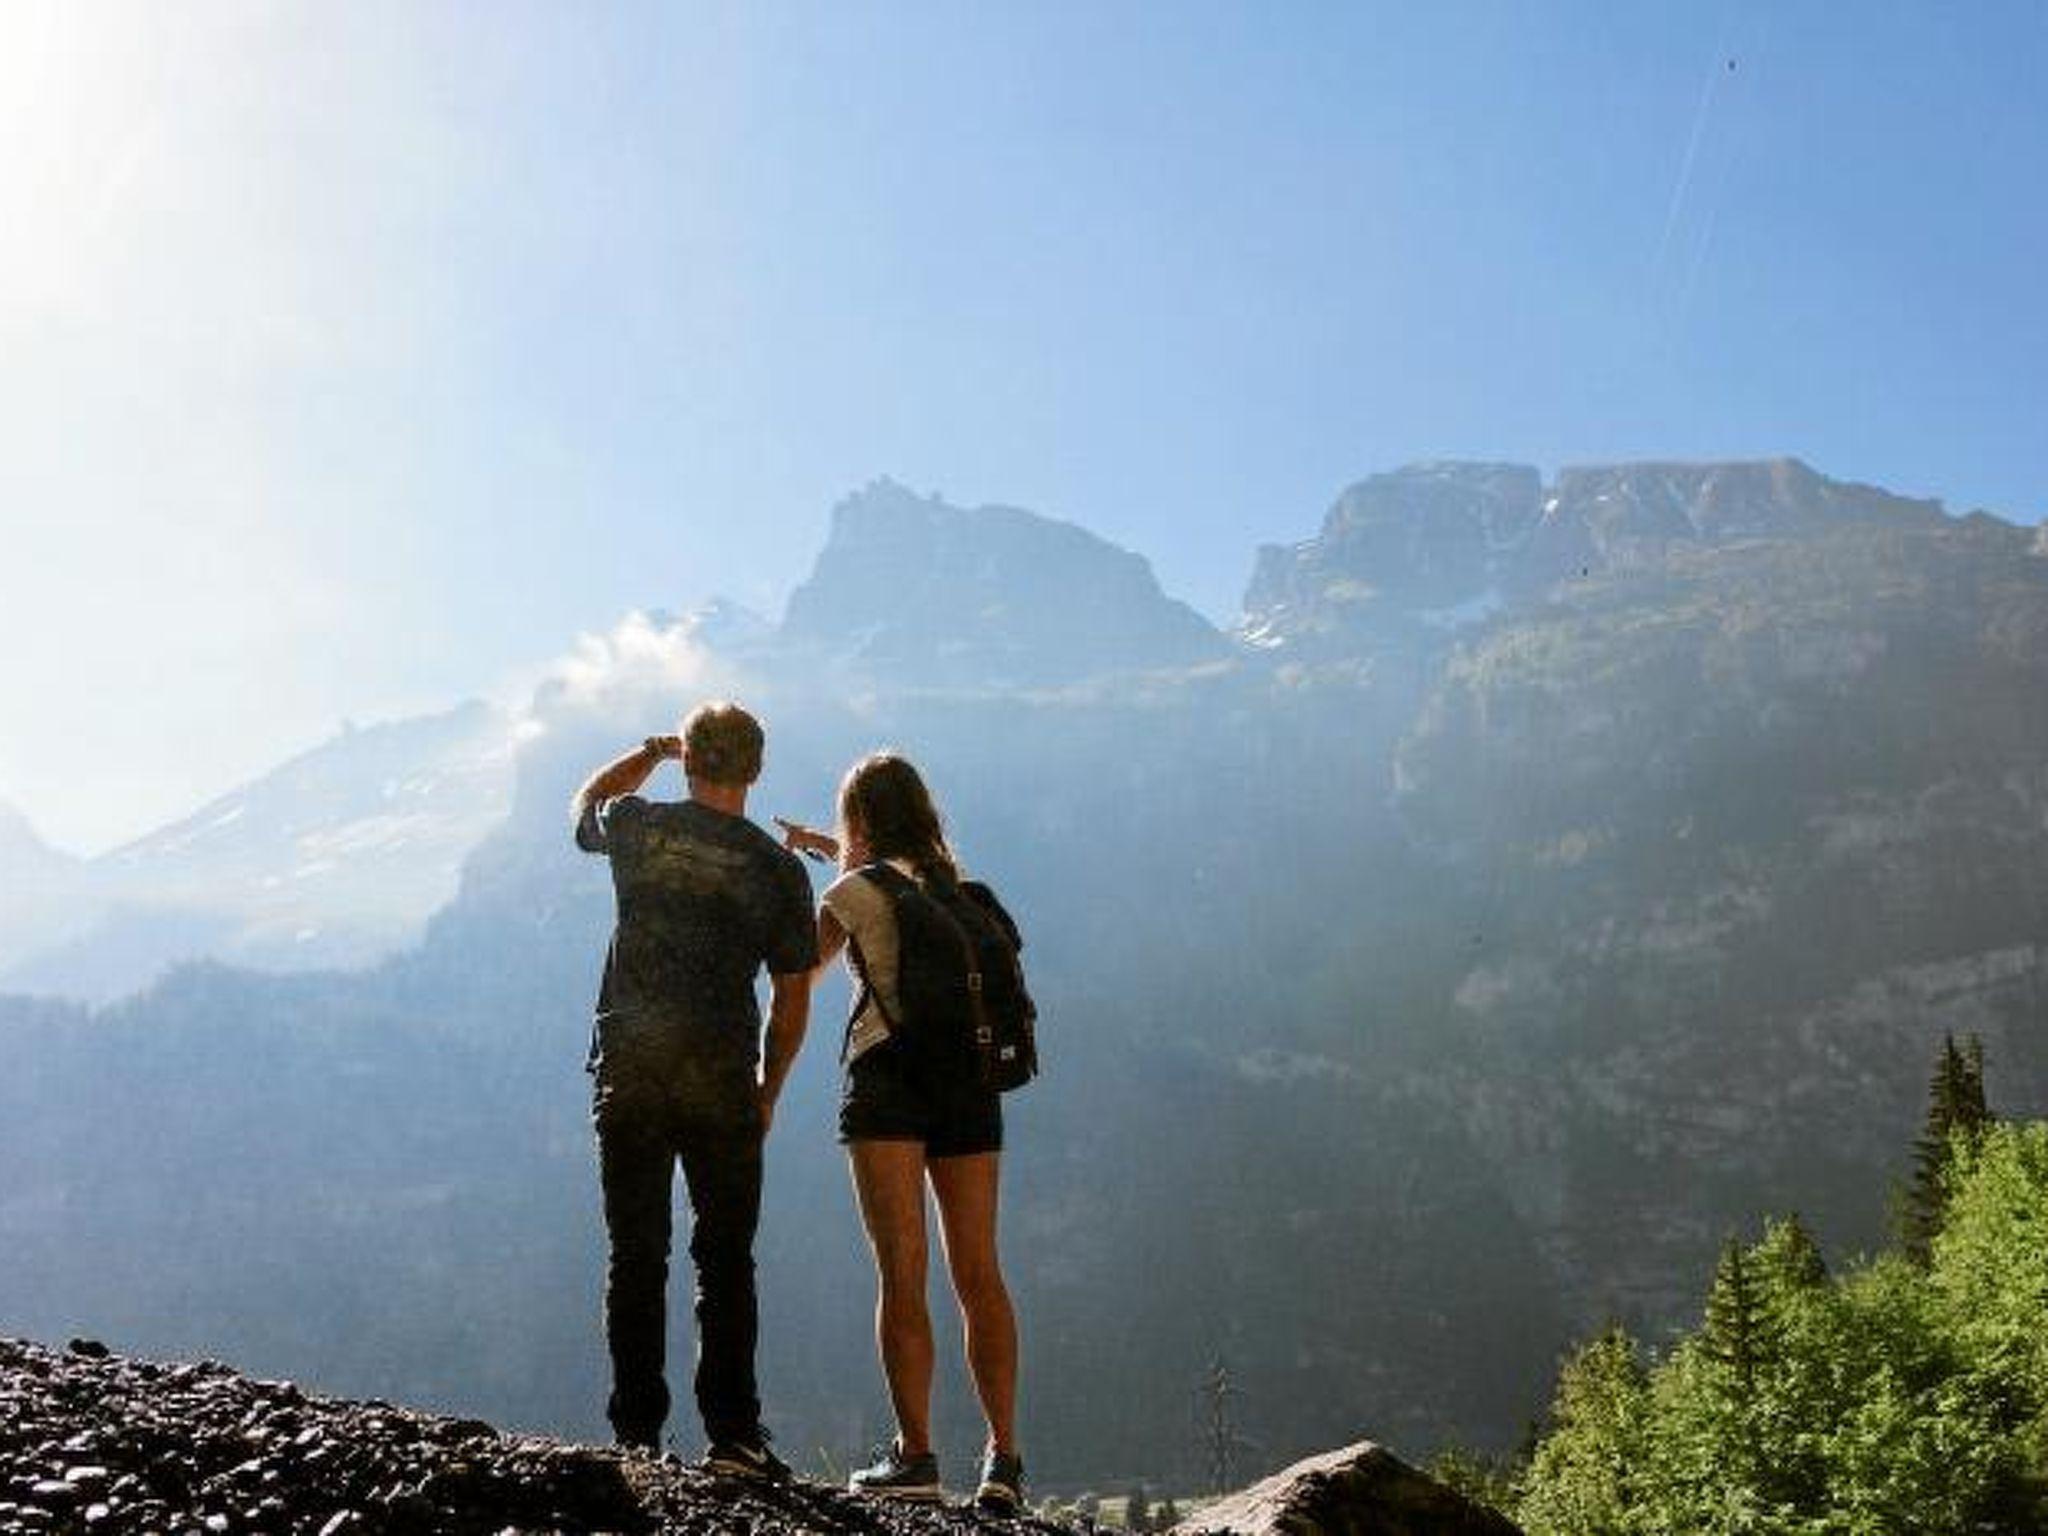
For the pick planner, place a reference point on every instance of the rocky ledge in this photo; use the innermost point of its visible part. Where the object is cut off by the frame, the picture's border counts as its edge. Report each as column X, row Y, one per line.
column 92, row 1442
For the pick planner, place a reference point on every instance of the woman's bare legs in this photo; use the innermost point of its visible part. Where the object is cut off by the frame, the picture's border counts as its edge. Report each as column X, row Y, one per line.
column 966, row 1189
column 888, row 1181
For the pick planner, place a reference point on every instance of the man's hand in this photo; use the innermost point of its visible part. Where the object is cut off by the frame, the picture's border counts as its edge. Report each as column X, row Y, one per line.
column 622, row 776
column 808, row 841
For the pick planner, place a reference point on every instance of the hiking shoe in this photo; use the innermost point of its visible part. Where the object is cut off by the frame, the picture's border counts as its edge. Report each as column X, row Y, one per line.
column 1002, row 1484
column 745, row 1456
column 897, row 1476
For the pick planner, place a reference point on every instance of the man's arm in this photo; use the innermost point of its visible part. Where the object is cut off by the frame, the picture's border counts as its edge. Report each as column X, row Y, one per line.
column 623, row 774
column 789, row 1015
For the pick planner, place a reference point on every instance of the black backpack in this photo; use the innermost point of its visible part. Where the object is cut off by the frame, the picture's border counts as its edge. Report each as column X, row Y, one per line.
column 965, row 1009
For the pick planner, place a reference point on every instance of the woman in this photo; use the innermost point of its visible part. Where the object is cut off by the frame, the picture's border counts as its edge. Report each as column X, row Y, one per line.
column 906, row 1122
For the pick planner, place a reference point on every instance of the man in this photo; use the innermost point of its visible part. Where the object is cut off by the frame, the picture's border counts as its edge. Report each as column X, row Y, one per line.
column 705, row 899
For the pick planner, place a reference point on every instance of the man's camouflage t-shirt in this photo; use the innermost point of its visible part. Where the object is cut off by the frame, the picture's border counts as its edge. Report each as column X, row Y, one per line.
column 704, row 901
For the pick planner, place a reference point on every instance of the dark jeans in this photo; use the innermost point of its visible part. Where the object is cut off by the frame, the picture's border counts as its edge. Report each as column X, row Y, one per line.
column 644, row 1126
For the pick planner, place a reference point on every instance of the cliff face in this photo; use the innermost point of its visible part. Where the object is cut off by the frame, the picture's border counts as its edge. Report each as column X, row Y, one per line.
column 1743, row 828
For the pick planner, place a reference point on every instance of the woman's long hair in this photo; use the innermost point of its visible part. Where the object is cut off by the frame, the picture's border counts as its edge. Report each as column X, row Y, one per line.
column 884, row 799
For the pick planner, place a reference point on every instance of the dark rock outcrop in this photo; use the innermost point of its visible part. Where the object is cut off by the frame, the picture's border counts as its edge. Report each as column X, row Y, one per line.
column 93, row 1442
column 984, row 597
column 1361, row 1490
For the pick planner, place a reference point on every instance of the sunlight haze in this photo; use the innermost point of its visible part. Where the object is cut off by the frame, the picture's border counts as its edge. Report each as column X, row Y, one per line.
column 356, row 359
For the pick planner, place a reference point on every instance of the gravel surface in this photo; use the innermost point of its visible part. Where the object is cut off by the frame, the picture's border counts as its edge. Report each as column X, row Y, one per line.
column 92, row 1442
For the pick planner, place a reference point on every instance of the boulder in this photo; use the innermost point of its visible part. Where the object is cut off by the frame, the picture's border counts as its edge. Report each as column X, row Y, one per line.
column 1361, row 1490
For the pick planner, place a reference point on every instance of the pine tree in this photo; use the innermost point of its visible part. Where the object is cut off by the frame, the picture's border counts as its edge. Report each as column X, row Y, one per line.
column 1586, row 1474
column 1788, row 1258
column 1168, row 1515
column 1715, row 1402
column 1137, row 1513
column 1796, row 1402
column 1735, row 1332
column 1955, row 1107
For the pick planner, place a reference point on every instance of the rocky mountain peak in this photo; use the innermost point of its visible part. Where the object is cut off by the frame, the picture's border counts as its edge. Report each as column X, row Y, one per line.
column 1446, row 544
column 1503, row 497
column 934, row 593
column 1426, row 537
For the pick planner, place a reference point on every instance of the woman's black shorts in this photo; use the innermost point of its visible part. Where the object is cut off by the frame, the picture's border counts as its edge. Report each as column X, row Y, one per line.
column 890, row 1096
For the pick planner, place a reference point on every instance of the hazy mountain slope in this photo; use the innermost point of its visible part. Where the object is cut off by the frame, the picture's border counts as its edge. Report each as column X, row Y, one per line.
column 23, row 848
column 1141, row 836
column 41, row 888
column 334, row 858
column 1418, row 988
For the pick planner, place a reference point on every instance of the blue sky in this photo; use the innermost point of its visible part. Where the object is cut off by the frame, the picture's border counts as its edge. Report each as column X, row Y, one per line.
column 353, row 358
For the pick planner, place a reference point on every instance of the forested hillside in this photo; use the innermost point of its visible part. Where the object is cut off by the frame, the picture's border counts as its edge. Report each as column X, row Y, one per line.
column 1906, row 1392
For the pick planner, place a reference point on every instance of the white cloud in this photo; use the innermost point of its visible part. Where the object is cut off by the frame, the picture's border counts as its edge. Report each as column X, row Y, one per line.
column 640, row 662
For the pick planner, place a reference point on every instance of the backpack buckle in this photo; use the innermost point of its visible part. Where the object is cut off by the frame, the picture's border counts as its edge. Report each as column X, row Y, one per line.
column 974, row 981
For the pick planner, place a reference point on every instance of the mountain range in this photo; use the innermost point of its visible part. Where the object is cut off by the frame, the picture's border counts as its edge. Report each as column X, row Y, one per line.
column 1537, row 883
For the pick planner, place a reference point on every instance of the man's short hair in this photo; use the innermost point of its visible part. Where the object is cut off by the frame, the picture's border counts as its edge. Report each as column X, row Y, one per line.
column 722, row 744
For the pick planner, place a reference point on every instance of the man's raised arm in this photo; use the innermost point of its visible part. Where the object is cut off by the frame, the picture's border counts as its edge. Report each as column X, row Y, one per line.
column 621, row 776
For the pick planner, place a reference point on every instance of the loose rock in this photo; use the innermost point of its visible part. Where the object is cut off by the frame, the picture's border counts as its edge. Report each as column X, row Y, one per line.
column 90, row 1440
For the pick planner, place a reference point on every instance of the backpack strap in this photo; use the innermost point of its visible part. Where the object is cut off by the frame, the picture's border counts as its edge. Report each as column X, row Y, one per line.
column 881, row 875
column 886, row 875
column 860, row 998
